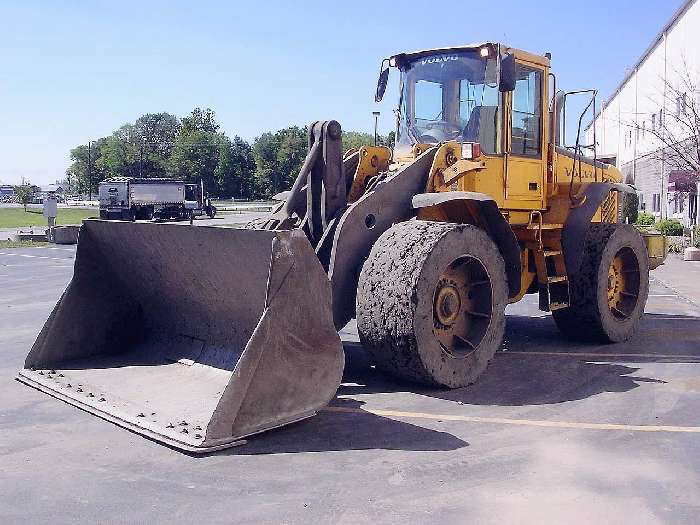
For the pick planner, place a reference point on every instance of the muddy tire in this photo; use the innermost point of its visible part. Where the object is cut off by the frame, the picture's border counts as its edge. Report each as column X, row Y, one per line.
column 610, row 289
column 430, row 302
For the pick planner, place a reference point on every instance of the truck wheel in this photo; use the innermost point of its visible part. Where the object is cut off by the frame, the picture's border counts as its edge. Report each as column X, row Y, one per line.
column 431, row 302
column 610, row 289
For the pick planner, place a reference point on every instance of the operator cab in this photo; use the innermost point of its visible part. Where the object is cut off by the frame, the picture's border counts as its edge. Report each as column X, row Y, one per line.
column 460, row 94
column 452, row 95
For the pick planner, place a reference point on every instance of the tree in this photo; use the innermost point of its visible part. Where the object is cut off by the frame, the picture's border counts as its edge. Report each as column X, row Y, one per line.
column 278, row 159
column 142, row 149
column 355, row 139
column 24, row 194
column 86, row 169
column 200, row 120
column 197, row 149
column 235, row 170
column 677, row 128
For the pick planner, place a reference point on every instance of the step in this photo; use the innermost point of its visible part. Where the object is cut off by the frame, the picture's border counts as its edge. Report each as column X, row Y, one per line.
column 545, row 226
column 557, row 306
column 551, row 253
column 557, row 279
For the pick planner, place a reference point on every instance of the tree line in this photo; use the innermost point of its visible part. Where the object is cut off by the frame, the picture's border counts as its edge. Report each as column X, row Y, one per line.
column 194, row 148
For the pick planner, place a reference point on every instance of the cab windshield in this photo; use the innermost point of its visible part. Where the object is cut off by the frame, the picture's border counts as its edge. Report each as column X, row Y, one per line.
column 450, row 96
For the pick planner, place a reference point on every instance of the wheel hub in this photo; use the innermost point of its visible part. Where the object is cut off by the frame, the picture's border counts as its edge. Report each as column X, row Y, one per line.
column 449, row 303
column 462, row 306
column 623, row 284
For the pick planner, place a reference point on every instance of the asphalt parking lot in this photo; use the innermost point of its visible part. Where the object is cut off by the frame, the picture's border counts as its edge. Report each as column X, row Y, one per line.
column 553, row 432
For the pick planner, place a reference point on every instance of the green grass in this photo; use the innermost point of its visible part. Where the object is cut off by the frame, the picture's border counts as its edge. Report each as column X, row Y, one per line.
column 18, row 218
column 22, row 244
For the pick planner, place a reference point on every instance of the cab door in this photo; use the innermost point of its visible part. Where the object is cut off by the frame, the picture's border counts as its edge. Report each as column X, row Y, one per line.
column 525, row 178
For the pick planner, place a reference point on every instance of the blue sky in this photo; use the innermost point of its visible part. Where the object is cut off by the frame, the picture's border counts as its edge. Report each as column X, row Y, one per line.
column 73, row 71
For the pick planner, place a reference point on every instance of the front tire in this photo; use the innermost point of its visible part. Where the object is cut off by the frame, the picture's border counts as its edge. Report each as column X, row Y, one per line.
column 610, row 289
column 431, row 302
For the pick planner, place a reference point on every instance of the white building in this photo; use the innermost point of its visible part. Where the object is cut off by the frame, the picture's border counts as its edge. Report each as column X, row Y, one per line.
column 647, row 103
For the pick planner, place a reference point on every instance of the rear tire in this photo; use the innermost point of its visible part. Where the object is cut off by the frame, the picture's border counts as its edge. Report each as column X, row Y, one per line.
column 610, row 289
column 431, row 302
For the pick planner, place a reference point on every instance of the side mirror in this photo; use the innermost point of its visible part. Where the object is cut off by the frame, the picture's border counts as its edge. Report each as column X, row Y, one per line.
column 507, row 74
column 381, row 84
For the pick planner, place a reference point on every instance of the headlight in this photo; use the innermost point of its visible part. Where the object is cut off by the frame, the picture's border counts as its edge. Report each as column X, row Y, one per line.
column 467, row 150
column 471, row 150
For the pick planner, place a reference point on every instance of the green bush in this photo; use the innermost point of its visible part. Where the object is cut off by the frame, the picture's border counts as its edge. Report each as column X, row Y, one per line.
column 630, row 208
column 669, row 227
column 645, row 219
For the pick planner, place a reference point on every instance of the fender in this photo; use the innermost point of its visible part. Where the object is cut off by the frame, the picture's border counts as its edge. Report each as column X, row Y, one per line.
column 359, row 227
column 484, row 212
column 576, row 225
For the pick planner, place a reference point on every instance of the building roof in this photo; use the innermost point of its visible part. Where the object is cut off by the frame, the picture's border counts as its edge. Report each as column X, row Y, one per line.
column 654, row 43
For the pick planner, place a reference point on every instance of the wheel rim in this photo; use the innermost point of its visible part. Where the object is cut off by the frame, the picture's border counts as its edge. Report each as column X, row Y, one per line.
column 623, row 284
column 462, row 306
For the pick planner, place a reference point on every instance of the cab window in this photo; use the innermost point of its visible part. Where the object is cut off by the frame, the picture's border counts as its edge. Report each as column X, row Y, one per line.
column 526, row 131
column 190, row 192
column 428, row 100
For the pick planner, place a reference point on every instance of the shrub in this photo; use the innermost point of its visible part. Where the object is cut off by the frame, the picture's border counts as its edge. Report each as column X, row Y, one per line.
column 645, row 219
column 630, row 208
column 670, row 227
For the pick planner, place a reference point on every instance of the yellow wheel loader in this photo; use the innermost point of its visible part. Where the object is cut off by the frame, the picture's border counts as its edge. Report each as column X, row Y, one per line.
column 198, row 337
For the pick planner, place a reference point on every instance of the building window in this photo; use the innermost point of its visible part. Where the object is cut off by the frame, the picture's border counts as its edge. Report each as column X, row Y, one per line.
column 653, row 122
column 656, row 203
column 644, row 128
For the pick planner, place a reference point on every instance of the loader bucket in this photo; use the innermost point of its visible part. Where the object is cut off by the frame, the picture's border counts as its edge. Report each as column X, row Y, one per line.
column 192, row 336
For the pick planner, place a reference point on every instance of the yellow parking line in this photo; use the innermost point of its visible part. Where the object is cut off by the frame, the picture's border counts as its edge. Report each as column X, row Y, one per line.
column 594, row 354
column 520, row 422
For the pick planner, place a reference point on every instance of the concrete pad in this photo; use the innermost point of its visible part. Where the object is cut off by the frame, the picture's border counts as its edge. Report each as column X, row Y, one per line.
column 66, row 234
column 554, row 432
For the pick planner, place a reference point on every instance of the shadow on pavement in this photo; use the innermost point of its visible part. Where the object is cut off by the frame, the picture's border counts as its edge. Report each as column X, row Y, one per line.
column 530, row 379
column 517, row 376
column 356, row 430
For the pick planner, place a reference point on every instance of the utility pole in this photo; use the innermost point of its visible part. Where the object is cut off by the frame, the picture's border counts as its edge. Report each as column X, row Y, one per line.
column 141, row 161
column 376, row 121
column 89, row 172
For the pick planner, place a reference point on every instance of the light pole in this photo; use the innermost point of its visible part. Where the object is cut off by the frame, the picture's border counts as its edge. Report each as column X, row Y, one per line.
column 376, row 121
column 89, row 172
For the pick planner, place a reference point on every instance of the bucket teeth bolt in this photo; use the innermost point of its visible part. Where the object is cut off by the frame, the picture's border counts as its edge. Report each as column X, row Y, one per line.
column 91, row 394
column 183, row 423
column 141, row 414
column 80, row 389
column 198, row 436
column 52, row 372
column 170, row 425
column 198, row 427
column 61, row 375
column 41, row 372
column 184, row 431
column 102, row 399
column 69, row 385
